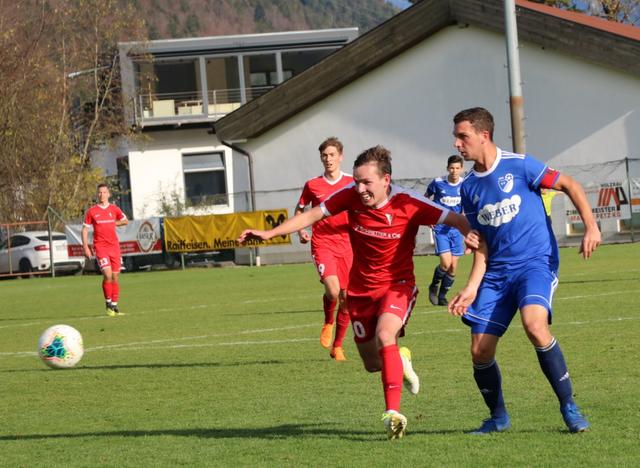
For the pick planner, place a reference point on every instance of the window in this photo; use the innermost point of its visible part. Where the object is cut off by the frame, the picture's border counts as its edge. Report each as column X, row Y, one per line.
column 629, row 225
column 577, row 229
column 205, row 179
column 298, row 61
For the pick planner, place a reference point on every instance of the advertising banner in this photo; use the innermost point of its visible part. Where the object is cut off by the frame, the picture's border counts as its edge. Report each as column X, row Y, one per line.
column 139, row 237
column 608, row 200
column 217, row 232
column 635, row 194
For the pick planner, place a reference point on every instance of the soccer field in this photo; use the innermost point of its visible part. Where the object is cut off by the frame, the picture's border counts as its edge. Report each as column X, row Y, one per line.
column 222, row 367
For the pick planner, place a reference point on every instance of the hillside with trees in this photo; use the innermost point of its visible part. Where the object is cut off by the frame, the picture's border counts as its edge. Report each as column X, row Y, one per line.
column 193, row 18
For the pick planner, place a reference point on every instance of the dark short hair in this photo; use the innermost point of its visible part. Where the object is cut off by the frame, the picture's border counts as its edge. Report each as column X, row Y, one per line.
column 103, row 185
column 455, row 158
column 479, row 118
column 377, row 154
column 331, row 141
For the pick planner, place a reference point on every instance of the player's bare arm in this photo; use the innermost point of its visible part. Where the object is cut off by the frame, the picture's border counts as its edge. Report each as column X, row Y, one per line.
column 299, row 221
column 460, row 222
column 122, row 222
column 85, row 241
column 465, row 297
column 302, row 233
column 576, row 194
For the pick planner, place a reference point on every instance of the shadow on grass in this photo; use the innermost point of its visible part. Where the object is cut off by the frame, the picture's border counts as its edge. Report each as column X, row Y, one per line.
column 284, row 431
column 601, row 280
column 267, row 312
column 155, row 366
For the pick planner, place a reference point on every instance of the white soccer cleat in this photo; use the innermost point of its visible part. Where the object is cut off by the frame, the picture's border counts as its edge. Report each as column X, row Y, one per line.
column 411, row 379
column 395, row 424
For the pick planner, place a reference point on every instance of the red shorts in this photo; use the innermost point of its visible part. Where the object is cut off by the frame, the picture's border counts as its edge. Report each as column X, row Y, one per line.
column 333, row 262
column 109, row 257
column 397, row 299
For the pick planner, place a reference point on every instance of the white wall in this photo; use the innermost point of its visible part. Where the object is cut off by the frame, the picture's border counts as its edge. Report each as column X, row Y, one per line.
column 155, row 165
column 576, row 113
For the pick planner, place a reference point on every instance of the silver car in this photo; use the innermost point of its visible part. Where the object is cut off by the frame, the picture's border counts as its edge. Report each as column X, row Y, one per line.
column 28, row 252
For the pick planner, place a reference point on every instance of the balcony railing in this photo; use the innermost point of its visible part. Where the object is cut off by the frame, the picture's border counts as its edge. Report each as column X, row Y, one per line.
column 189, row 106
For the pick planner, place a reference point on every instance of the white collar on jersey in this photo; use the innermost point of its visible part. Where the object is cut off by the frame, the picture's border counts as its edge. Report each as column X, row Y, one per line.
column 493, row 166
column 333, row 182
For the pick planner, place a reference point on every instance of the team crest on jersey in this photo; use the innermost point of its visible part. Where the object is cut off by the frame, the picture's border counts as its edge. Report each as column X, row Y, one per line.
column 500, row 213
column 506, row 183
column 389, row 217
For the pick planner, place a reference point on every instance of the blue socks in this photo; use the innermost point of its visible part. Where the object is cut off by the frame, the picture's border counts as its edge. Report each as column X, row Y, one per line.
column 438, row 275
column 555, row 369
column 489, row 383
column 447, row 282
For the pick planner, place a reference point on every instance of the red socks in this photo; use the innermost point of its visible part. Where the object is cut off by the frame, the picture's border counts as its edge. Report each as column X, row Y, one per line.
column 329, row 307
column 342, row 320
column 107, row 290
column 391, row 376
column 110, row 290
column 115, row 291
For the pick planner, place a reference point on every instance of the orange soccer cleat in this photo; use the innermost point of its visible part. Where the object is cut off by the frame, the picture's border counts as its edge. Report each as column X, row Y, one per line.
column 337, row 353
column 326, row 335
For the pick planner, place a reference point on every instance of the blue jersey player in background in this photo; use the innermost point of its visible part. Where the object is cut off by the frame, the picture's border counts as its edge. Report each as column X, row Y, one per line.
column 449, row 242
column 518, row 265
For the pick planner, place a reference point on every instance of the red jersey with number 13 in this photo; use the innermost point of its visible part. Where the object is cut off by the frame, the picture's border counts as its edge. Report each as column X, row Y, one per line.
column 383, row 238
column 103, row 219
column 328, row 231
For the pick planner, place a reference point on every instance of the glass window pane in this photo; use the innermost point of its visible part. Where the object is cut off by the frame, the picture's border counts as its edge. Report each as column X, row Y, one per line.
column 223, row 80
column 208, row 188
column 258, row 71
column 198, row 162
column 294, row 63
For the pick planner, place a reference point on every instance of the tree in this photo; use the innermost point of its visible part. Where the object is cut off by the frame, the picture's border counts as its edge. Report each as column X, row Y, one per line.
column 59, row 100
column 621, row 11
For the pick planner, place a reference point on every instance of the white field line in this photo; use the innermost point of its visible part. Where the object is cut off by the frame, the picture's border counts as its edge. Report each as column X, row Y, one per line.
column 154, row 311
column 153, row 344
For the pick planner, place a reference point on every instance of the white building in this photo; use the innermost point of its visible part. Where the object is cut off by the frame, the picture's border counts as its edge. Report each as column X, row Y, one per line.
column 175, row 89
column 400, row 85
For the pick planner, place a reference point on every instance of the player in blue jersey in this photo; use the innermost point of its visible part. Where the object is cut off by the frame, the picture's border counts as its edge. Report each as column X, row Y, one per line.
column 518, row 265
column 449, row 242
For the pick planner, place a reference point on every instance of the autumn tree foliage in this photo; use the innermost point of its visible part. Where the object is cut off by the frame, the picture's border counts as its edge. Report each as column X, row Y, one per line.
column 59, row 100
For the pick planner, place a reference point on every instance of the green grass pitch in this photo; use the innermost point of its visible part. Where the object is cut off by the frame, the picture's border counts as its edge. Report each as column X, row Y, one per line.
column 222, row 367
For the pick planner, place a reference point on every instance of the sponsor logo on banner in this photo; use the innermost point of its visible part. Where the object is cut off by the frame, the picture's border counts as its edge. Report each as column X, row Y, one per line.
column 608, row 201
column 218, row 232
column 146, row 237
column 139, row 237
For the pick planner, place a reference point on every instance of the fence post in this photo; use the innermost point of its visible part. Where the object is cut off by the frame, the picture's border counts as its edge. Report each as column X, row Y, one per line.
column 626, row 166
column 52, row 266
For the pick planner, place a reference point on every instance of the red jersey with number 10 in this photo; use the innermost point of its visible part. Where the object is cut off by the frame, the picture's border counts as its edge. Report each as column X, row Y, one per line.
column 383, row 238
column 103, row 219
column 328, row 231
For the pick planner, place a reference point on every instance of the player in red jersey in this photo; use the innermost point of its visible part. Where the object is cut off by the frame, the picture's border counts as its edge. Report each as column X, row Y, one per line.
column 330, row 245
column 104, row 217
column 383, row 223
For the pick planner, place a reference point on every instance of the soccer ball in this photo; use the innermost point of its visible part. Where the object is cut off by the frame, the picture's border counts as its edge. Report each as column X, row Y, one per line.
column 60, row 346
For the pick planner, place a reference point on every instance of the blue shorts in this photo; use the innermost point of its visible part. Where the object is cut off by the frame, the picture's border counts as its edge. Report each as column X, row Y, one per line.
column 504, row 291
column 450, row 240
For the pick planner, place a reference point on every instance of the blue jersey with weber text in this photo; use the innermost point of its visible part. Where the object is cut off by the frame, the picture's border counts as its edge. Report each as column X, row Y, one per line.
column 444, row 193
column 505, row 206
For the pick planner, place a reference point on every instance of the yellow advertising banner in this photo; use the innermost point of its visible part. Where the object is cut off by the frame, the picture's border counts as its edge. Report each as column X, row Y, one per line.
column 217, row 232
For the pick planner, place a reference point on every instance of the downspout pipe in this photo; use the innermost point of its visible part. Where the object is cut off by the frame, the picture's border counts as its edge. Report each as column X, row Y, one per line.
column 252, row 190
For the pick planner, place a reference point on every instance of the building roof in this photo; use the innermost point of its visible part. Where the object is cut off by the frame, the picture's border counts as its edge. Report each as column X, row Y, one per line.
column 593, row 39
column 241, row 42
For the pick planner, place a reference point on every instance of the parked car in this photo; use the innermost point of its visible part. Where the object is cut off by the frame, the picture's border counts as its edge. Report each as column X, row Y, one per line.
column 28, row 252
